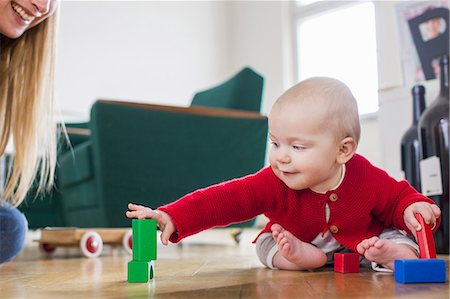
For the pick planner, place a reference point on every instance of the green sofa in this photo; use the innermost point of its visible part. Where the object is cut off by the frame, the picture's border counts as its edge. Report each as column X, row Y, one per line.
column 149, row 154
column 152, row 154
column 243, row 91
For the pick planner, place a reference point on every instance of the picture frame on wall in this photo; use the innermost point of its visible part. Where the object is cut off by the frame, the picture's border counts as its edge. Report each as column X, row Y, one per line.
column 424, row 37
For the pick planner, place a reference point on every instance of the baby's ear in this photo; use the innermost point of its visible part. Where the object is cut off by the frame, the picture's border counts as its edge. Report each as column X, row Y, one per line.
column 347, row 148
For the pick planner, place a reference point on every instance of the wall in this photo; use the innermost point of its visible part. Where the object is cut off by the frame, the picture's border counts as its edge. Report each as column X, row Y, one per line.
column 261, row 35
column 159, row 52
column 165, row 51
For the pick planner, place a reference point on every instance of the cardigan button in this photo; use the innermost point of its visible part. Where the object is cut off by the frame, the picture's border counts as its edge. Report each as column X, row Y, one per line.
column 333, row 197
column 334, row 229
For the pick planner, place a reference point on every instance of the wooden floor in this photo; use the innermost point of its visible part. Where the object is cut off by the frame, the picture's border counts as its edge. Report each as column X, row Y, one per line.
column 219, row 269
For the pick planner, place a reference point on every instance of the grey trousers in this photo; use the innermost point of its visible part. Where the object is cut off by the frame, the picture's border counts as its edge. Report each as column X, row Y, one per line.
column 266, row 248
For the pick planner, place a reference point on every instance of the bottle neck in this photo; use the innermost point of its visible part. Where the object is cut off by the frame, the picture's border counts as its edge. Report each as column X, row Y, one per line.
column 418, row 94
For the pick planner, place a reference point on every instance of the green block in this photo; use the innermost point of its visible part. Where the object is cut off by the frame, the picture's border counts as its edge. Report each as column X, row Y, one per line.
column 139, row 271
column 144, row 240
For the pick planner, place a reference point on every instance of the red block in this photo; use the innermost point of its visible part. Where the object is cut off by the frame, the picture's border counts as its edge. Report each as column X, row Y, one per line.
column 425, row 239
column 346, row 262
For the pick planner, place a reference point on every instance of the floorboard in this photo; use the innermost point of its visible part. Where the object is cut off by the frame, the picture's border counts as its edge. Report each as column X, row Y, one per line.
column 216, row 268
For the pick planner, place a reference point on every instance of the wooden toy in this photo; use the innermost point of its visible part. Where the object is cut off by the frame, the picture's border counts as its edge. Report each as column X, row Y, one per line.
column 346, row 262
column 90, row 240
column 425, row 269
column 419, row 271
column 140, row 271
column 425, row 239
column 142, row 268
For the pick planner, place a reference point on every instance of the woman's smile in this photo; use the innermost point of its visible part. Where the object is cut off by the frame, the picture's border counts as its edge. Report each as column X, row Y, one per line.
column 20, row 11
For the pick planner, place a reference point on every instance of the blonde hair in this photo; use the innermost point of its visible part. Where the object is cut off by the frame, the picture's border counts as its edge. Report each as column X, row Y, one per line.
column 334, row 96
column 27, row 109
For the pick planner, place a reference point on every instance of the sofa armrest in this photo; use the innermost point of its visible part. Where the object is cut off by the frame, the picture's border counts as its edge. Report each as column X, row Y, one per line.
column 195, row 110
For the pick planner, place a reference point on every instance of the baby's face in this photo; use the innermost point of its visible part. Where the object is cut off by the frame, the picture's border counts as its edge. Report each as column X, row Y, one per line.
column 303, row 149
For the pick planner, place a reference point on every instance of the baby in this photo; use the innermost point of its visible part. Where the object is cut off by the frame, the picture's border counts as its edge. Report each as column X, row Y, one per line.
column 319, row 195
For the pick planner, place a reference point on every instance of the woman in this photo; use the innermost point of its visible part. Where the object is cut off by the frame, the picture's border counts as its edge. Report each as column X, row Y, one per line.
column 27, row 43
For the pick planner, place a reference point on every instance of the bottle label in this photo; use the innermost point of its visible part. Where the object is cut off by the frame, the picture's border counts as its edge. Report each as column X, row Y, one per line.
column 430, row 175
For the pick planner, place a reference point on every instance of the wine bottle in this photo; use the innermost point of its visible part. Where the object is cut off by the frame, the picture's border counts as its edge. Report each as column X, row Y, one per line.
column 410, row 149
column 434, row 164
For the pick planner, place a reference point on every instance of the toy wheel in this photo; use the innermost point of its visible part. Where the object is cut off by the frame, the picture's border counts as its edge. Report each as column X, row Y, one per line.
column 127, row 241
column 91, row 244
column 47, row 248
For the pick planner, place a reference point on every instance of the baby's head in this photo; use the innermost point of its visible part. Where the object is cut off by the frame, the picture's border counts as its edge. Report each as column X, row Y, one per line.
column 314, row 129
column 329, row 103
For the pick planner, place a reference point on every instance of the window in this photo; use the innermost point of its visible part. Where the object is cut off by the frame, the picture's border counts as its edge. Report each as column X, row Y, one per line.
column 337, row 39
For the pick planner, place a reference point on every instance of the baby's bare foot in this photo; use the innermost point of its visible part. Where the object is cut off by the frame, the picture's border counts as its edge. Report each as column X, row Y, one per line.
column 366, row 244
column 384, row 252
column 294, row 254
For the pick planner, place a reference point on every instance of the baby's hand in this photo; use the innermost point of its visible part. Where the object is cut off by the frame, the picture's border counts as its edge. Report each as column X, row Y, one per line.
column 163, row 219
column 429, row 212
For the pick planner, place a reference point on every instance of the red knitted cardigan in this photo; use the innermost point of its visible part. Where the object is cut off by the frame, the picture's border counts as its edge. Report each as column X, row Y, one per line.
column 368, row 200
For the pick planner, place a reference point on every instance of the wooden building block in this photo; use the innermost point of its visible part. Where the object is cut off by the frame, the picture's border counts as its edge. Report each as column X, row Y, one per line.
column 425, row 240
column 140, row 271
column 142, row 267
column 144, row 240
column 346, row 262
column 419, row 271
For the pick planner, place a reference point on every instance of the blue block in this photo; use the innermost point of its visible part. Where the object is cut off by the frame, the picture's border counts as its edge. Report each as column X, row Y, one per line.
column 419, row 271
